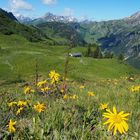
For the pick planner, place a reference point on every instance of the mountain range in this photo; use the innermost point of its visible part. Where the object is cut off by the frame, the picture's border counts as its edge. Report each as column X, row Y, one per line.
column 23, row 19
column 48, row 17
column 118, row 36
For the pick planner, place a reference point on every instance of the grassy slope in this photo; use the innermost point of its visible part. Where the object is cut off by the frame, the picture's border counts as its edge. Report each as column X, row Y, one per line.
column 9, row 25
column 18, row 59
column 61, row 32
column 71, row 119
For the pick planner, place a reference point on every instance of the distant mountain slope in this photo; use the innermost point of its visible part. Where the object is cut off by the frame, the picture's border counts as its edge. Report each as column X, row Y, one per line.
column 8, row 14
column 119, row 36
column 62, row 32
column 49, row 17
column 134, row 18
column 59, row 28
column 9, row 25
column 23, row 19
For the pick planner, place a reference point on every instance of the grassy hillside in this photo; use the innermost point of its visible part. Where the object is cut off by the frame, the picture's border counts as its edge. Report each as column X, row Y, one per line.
column 9, row 25
column 61, row 32
column 18, row 59
column 74, row 116
column 70, row 109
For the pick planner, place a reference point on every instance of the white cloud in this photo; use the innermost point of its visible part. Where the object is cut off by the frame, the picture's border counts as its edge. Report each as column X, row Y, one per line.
column 16, row 5
column 49, row 2
column 68, row 12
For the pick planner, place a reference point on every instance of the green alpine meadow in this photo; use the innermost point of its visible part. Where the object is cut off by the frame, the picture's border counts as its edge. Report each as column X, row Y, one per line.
column 69, row 70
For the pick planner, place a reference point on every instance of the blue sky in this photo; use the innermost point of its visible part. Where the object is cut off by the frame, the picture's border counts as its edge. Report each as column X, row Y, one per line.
column 92, row 9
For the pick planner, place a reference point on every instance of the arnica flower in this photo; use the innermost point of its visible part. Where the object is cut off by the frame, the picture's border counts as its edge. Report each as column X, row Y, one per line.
column 39, row 107
column 11, row 104
column 28, row 90
column 82, row 87
column 74, row 97
column 45, row 89
column 65, row 97
column 11, row 126
column 54, row 76
column 62, row 90
column 135, row 88
column 21, row 103
column 91, row 94
column 103, row 106
column 42, row 83
column 116, row 121
column 19, row 110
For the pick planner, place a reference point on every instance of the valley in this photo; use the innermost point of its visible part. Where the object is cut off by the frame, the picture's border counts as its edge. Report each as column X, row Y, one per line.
column 117, row 36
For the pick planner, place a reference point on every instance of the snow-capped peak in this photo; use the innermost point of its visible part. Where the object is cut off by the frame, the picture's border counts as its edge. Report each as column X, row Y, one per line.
column 135, row 16
column 23, row 19
column 59, row 18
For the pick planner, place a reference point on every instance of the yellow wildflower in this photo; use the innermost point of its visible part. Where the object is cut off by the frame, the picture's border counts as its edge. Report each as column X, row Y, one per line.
column 12, row 104
column 54, row 76
column 74, row 97
column 42, row 83
column 65, row 97
column 62, row 90
column 21, row 103
column 103, row 106
column 39, row 107
column 91, row 94
column 82, row 87
column 28, row 90
column 45, row 89
column 19, row 110
column 135, row 88
column 116, row 121
column 11, row 127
